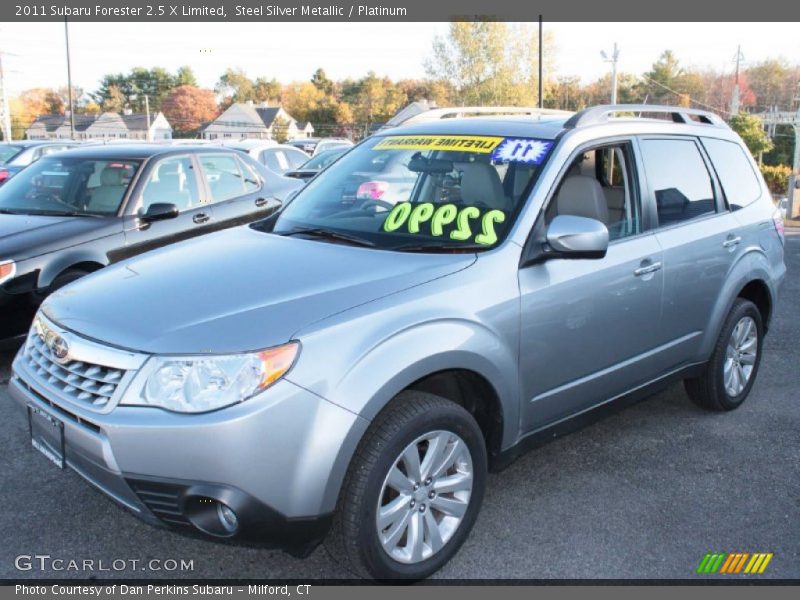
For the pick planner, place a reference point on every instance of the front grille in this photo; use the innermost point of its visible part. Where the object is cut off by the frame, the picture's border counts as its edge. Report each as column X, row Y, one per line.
column 162, row 499
column 81, row 382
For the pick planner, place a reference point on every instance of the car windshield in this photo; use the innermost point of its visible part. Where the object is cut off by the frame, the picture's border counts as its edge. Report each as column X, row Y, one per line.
column 419, row 193
column 69, row 186
column 7, row 152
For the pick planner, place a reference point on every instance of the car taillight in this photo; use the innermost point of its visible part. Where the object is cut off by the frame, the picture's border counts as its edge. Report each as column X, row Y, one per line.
column 4, row 174
column 371, row 190
column 777, row 218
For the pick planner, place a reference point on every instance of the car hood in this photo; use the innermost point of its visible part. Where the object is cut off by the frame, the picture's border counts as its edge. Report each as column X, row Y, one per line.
column 26, row 236
column 235, row 290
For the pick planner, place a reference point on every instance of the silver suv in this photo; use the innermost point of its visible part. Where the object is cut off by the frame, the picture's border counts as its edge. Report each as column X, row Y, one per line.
column 350, row 369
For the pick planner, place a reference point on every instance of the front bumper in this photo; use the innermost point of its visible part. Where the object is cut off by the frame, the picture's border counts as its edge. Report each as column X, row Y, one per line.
column 277, row 460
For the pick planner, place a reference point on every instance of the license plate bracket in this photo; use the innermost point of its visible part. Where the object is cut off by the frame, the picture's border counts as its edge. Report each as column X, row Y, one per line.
column 47, row 435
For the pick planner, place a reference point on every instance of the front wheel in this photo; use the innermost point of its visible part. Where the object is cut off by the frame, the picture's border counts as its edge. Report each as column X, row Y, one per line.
column 413, row 490
column 733, row 367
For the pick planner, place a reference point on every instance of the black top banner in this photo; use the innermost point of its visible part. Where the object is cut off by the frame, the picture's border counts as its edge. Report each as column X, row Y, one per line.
column 399, row 10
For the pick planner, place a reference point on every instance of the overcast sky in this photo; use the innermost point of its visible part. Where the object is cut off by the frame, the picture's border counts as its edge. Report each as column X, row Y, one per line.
column 34, row 52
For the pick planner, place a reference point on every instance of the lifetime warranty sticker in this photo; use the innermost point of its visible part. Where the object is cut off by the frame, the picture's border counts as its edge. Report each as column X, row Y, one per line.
column 471, row 143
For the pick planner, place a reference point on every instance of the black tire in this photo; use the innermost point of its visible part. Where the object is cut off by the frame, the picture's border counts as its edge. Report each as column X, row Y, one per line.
column 62, row 279
column 353, row 540
column 708, row 390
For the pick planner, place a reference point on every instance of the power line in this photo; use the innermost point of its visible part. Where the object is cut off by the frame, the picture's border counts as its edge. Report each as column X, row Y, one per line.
column 682, row 94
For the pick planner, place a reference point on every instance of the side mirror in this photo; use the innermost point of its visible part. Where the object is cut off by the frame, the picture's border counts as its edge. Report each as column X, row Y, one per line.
column 577, row 237
column 159, row 211
column 797, row 183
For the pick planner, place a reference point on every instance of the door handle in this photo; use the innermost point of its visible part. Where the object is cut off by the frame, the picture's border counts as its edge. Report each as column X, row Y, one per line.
column 731, row 242
column 261, row 202
column 201, row 218
column 651, row 268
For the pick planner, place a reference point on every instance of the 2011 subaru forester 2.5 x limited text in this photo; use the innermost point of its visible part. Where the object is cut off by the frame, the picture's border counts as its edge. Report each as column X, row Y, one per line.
column 442, row 297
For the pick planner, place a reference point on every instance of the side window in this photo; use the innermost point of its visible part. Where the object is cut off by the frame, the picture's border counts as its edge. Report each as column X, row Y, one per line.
column 269, row 158
column 251, row 180
column 172, row 181
column 739, row 181
column 223, row 175
column 679, row 179
column 599, row 185
column 296, row 158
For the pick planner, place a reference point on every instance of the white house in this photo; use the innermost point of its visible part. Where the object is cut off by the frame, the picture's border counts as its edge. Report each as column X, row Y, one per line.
column 105, row 126
column 246, row 120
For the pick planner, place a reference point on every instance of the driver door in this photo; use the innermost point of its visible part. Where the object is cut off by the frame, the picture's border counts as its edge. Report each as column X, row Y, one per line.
column 589, row 327
column 171, row 180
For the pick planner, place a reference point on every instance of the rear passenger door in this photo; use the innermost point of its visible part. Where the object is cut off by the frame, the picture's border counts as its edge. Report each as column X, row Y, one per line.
column 234, row 189
column 697, row 234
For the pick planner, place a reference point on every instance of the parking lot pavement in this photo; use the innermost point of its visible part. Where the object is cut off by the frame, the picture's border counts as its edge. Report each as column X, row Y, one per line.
column 642, row 494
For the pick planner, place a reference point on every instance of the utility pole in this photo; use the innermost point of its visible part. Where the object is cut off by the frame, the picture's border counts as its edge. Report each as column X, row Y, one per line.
column 541, row 64
column 613, row 60
column 5, row 109
column 149, row 138
column 736, row 95
column 69, row 84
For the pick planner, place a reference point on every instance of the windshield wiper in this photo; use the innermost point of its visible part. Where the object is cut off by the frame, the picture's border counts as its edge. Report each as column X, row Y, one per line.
column 323, row 233
column 61, row 213
column 441, row 247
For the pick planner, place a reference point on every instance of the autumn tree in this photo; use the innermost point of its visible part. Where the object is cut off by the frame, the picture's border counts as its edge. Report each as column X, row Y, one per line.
column 188, row 107
column 280, row 130
column 321, row 82
column 489, row 62
column 185, row 76
column 113, row 99
column 668, row 82
column 267, row 90
column 774, row 83
column 305, row 102
column 234, row 86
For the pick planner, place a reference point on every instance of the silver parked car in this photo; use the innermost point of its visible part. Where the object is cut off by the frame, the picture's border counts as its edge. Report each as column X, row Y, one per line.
column 350, row 369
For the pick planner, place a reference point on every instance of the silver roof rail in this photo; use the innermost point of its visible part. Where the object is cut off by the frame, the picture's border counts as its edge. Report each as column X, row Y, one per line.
column 422, row 115
column 678, row 114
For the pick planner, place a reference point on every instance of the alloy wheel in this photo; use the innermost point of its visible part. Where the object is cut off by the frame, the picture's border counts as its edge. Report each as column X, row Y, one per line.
column 424, row 497
column 740, row 356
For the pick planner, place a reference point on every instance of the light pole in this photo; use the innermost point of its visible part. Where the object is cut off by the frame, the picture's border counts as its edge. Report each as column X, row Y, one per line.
column 69, row 83
column 613, row 60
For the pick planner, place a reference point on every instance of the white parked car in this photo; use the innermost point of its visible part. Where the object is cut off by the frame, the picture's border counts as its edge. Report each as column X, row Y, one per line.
column 278, row 158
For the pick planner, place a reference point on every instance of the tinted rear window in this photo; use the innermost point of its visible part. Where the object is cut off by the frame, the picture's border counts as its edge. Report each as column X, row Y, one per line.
column 738, row 179
column 679, row 179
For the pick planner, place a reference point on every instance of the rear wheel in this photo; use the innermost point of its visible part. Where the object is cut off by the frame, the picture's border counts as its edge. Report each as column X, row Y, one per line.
column 413, row 490
column 733, row 367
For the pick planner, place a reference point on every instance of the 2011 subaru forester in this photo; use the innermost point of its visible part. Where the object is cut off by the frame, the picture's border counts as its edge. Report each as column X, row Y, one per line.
column 442, row 297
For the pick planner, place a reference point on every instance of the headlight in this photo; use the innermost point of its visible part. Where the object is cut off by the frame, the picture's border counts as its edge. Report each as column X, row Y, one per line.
column 7, row 270
column 201, row 383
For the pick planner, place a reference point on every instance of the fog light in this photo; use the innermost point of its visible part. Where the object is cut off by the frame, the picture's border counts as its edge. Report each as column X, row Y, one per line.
column 227, row 517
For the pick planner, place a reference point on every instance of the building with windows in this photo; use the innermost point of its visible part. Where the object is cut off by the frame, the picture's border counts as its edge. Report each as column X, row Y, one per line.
column 247, row 120
column 104, row 126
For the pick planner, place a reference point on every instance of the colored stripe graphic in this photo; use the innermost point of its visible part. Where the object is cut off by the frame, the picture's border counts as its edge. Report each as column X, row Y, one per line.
column 733, row 562
column 732, row 558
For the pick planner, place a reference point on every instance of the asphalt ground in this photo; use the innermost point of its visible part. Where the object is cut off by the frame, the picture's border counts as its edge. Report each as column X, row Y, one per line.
column 644, row 493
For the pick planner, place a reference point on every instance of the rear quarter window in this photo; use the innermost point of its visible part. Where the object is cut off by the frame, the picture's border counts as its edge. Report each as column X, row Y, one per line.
column 739, row 181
